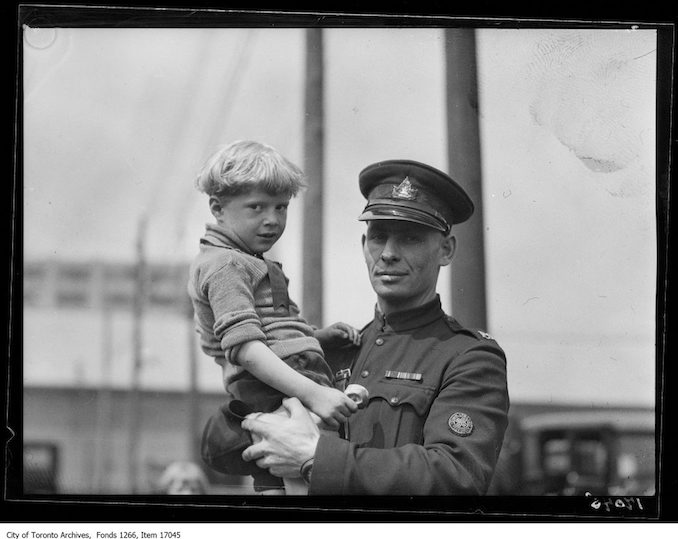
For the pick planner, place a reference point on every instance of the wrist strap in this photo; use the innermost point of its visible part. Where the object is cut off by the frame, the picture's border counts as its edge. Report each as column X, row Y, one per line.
column 305, row 470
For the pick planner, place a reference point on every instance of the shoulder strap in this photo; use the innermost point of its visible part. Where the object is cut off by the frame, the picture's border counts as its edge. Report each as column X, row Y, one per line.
column 281, row 299
column 455, row 326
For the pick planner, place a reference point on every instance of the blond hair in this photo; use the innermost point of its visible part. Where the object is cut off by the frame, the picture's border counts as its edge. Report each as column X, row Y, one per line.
column 245, row 165
column 181, row 474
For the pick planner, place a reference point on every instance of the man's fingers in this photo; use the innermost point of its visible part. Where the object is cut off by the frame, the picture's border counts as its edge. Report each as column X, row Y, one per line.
column 253, row 452
column 257, row 422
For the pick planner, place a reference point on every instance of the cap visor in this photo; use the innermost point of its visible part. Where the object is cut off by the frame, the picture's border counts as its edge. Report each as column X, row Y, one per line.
column 393, row 214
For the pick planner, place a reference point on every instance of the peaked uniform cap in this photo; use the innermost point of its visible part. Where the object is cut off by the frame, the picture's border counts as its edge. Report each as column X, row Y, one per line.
column 407, row 190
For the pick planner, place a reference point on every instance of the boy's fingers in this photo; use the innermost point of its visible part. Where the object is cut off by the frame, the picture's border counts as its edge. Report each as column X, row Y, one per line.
column 355, row 336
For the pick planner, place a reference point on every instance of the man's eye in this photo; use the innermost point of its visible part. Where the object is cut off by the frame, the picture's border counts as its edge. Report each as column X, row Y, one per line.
column 282, row 208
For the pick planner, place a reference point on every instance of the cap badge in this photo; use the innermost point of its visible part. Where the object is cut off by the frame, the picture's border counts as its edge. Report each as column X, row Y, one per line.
column 405, row 191
column 460, row 423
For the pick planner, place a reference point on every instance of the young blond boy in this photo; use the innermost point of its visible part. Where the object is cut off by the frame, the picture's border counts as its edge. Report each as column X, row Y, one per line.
column 243, row 314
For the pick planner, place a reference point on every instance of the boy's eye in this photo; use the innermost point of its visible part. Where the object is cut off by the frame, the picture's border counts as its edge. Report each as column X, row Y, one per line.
column 255, row 207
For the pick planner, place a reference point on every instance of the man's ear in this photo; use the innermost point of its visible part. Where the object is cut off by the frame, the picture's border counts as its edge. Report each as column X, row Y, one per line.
column 448, row 247
column 216, row 206
column 362, row 240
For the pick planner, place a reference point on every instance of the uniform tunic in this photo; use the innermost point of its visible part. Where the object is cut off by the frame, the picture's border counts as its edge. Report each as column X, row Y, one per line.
column 437, row 411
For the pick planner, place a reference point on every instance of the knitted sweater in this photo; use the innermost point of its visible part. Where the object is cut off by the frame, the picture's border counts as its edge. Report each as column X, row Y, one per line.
column 233, row 301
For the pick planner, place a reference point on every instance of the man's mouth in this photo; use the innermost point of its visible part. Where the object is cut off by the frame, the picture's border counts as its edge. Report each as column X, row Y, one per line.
column 390, row 273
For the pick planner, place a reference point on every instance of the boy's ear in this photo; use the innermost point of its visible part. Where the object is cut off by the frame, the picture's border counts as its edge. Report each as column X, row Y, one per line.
column 216, row 206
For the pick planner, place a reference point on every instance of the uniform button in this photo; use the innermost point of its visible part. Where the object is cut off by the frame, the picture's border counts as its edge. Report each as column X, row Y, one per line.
column 365, row 374
column 394, row 400
column 379, row 341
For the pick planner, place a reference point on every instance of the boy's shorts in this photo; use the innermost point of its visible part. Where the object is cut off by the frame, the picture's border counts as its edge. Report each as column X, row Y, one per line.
column 224, row 440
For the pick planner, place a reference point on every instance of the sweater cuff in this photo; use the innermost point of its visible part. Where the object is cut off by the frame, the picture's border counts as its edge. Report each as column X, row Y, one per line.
column 238, row 336
column 329, row 466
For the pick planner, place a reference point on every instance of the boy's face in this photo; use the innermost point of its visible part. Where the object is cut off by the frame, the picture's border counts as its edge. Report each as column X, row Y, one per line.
column 257, row 218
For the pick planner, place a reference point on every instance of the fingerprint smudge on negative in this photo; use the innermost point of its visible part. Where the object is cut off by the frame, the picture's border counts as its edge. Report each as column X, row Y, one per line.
column 594, row 93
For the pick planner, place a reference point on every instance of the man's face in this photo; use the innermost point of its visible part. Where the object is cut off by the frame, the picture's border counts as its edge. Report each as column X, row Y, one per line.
column 403, row 260
column 257, row 218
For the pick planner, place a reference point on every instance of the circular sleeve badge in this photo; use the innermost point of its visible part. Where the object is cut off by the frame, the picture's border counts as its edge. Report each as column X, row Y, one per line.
column 460, row 423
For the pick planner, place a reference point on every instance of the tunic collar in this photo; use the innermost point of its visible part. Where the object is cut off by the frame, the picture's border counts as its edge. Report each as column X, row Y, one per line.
column 411, row 318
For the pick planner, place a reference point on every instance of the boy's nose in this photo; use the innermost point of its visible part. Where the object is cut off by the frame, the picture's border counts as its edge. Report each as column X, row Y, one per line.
column 271, row 218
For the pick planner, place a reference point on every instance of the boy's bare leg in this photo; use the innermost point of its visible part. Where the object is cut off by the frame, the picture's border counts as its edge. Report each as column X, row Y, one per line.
column 294, row 486
column 274, row 491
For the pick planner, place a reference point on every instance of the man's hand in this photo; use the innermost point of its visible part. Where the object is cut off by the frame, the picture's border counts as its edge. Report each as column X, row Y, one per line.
column 337, row 335
column 282, row 444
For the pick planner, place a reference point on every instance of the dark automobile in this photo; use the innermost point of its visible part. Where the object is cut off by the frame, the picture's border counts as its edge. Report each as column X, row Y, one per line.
column 579, row 452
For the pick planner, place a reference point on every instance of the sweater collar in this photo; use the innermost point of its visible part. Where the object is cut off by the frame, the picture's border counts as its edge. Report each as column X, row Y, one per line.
column 220, row 237
column 411, row 318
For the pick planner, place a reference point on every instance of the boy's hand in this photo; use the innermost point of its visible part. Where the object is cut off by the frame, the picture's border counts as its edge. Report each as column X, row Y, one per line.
column 331, row 405
column 338, row 334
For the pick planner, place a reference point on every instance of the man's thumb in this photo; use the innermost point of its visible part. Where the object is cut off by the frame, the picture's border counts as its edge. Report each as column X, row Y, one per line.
column 293, row 406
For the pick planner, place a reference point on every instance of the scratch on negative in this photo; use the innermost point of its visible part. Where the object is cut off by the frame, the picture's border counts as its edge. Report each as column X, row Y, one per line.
column 650, row 52
column 530, row 299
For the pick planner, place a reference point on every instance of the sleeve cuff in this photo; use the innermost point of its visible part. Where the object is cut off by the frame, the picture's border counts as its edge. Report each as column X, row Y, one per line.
column 239, row 336
column 329, row 466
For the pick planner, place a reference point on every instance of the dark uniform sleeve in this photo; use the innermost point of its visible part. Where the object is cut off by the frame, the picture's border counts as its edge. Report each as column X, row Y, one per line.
column 448, row 461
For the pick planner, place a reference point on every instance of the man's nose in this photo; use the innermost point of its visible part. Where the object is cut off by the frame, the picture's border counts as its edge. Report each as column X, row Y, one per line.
column 390, row 251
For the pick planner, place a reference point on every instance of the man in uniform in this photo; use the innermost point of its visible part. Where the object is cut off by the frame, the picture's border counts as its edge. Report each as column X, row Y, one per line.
column 434, row 419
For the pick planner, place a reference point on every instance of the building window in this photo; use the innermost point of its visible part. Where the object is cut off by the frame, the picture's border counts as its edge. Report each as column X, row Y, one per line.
column 163, row 299
column 33, row 273
column 118, row 299
column 31, row 297
column 74, row 273
column 71, row 298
